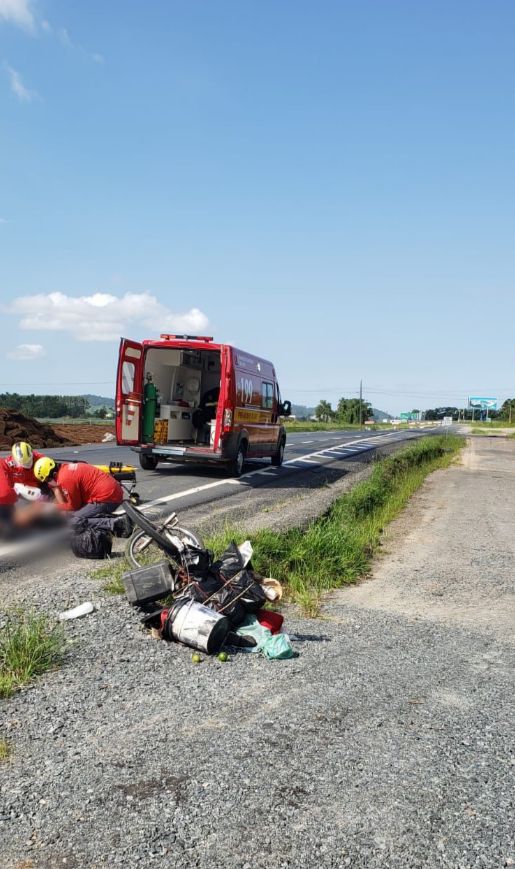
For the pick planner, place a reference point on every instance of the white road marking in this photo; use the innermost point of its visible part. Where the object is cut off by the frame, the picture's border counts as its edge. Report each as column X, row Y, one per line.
column 336, row 452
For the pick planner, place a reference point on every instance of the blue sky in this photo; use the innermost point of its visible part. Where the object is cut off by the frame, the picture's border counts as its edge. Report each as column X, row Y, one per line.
column 329, row 185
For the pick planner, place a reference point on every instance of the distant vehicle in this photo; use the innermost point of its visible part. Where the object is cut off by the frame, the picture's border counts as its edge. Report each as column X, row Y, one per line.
column 183, row 398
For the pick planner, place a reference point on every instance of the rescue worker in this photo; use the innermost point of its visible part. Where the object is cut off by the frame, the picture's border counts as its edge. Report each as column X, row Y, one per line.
column 8, row 496
column 18, row 468
column 85, row 492
column 23, row 459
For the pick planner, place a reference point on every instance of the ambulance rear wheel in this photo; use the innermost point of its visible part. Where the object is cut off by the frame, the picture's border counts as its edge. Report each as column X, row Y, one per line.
column 235, row 468
column 148, row 463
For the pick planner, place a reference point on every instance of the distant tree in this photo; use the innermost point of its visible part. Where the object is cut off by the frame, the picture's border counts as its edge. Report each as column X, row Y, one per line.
column 100, row 413
column 504, row 412
column 324, row 411
column 51, row 406
column 351, row 410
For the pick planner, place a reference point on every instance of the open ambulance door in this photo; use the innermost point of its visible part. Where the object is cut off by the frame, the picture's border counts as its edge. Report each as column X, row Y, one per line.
column 129, row 392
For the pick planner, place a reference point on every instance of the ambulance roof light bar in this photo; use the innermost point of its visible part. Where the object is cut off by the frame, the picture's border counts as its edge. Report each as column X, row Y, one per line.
column 166, row 337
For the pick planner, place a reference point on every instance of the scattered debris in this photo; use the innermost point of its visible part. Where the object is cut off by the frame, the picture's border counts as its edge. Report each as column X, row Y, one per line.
column 214, row 604
column 84, row 609
column 108, row 438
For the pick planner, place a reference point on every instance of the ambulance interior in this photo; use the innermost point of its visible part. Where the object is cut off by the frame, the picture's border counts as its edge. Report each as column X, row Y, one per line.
column 188, row 384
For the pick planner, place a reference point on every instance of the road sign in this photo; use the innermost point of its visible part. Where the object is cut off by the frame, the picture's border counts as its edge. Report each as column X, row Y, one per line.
column 483, row 403
column 409, row 415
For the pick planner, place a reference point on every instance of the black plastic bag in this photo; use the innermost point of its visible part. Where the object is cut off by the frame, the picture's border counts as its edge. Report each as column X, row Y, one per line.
column 240, row 593
column 92, row 543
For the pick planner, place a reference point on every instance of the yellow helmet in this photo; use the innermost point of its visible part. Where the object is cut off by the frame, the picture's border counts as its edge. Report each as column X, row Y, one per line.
column 22, row 454
column 43, row 468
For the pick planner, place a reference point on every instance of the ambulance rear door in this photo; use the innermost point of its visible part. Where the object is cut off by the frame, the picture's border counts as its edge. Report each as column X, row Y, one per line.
column 129, row 392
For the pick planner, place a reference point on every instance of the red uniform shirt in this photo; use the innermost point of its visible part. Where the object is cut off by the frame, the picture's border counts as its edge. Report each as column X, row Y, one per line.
column 24, row 475
column 83, row 484
column 7, row 493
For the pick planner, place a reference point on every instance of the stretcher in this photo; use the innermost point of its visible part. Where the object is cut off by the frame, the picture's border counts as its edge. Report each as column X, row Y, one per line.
column 125, row 475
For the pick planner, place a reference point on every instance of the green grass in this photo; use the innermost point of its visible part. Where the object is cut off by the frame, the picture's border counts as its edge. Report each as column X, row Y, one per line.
column 30, row 644
column 5, row 750
column 338, row 548
column 305, row 425
column 494, row 423
column 111, row 575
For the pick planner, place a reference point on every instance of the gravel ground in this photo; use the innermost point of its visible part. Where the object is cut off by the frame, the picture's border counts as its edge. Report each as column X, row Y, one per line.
column 387, row 743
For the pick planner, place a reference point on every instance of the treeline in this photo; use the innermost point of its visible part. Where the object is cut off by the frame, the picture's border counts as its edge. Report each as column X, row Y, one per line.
column 51, row 406
column 466, row 413
column 348, row 410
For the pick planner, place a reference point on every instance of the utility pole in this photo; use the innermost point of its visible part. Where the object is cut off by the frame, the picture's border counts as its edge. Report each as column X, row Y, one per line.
column 361, row 404
column 511, row 402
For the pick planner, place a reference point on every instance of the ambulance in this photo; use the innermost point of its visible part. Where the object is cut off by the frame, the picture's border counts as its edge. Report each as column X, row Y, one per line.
column 184, row 398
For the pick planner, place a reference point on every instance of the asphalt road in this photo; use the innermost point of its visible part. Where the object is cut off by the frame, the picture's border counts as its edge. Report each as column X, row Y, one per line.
column 194, row 484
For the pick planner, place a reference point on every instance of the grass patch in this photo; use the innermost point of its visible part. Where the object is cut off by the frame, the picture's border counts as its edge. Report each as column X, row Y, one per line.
column 30, row 644
column 5, row 750
column 338, row 548
column 111, row 575
column 305, row 425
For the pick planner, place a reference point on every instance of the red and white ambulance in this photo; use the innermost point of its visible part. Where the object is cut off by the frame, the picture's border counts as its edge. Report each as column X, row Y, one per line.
column 183, row 398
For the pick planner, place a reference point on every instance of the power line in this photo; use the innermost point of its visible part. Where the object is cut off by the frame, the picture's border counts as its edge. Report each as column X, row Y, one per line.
column 63, row 383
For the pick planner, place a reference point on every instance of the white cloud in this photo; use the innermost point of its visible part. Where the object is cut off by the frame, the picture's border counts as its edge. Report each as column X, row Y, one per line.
column 18, row 12
column 18, row 88
column 104, row 317
column 25, row 352
column 22, row 13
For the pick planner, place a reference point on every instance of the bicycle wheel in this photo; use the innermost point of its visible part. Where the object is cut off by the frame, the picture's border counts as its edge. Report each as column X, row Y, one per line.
column 143, row 522
column 141, row 546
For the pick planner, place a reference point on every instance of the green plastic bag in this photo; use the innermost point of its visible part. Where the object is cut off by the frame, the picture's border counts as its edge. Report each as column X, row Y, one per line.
column 275, row 647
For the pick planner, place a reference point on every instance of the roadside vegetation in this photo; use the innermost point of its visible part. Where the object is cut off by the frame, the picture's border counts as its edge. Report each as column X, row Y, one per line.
column 338, row 548
column 293, row 425
column 30, row 644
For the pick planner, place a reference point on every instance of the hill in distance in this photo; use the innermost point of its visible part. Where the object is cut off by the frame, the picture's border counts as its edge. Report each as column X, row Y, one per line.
column 98, row 400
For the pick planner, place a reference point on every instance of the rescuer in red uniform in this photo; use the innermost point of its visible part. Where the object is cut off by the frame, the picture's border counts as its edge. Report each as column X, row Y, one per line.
column 16, row 468
column 83, row 491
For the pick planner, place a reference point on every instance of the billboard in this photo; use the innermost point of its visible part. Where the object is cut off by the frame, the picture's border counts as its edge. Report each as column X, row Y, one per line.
column 482, row 403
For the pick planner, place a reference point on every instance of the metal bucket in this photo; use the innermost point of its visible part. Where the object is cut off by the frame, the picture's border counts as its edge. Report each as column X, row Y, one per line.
column 196, row 625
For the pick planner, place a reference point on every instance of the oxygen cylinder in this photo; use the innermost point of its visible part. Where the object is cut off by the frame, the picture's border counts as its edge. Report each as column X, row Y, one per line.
column 149, row 409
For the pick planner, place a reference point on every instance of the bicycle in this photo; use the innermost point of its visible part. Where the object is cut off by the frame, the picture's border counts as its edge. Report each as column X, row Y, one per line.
column 167, row 534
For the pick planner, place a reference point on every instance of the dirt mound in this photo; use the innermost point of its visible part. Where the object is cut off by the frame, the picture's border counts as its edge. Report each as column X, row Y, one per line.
column 14, row 426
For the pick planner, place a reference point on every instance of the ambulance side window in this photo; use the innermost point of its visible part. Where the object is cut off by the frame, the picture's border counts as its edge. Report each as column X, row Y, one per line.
column 267, row 395
column 128, row 371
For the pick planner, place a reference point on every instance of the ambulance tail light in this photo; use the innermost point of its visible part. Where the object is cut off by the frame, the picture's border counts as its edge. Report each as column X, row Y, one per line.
column 227, row 422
